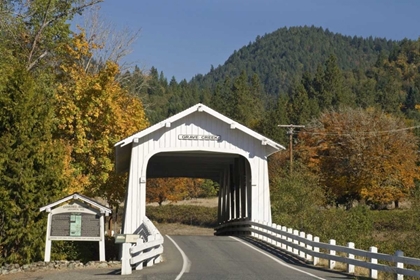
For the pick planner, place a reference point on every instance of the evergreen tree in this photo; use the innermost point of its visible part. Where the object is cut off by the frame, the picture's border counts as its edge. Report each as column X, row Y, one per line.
column 323, row 96
column 242, row 101
column 388, row 88
column 299, row 110
column 364, row 89
column 258, row 100
column 31, row 172
column 272, row 118
column 333, row 83
column 222, row 98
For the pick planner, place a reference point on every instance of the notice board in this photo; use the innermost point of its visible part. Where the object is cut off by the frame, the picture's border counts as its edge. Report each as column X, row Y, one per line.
column 75, row 221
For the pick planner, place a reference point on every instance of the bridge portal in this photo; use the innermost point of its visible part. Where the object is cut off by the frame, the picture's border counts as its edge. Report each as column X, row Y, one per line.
column 199, row 143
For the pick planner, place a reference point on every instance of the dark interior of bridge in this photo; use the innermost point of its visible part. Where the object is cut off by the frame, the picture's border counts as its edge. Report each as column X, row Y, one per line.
column 195, row 164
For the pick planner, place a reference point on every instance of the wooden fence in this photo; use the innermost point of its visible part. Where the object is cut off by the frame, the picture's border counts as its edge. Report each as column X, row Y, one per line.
column 310, row 248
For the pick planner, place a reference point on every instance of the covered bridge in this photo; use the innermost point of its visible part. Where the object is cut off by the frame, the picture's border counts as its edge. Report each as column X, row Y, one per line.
column 199, row 143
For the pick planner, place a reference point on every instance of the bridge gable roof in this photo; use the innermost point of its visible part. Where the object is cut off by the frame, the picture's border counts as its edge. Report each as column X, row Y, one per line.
column 200, row 108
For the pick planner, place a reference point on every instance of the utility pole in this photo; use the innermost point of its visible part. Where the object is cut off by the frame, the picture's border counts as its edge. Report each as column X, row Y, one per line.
column 290, row 131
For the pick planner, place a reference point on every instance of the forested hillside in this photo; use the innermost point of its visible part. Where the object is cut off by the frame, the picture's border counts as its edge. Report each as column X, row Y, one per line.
column 276, row 60
column 324, row 81
column 284, row 55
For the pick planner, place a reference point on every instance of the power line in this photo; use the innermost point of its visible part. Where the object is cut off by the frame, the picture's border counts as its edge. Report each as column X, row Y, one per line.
column 363, row 133
column 290, row 131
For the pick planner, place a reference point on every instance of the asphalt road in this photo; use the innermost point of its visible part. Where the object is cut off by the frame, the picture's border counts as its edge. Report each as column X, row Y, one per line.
column 205, row 257
column 222, row 257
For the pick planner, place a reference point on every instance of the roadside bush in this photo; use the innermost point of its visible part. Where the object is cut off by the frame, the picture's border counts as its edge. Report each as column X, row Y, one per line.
column 83, row 251
column 296, row 199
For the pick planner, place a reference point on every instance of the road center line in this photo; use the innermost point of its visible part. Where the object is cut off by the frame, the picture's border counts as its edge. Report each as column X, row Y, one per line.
column 186, row 263
column 277, row 260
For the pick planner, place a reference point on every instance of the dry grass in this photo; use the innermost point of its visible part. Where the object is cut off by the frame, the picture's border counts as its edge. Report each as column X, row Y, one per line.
column 206, row 202
column 180, row 229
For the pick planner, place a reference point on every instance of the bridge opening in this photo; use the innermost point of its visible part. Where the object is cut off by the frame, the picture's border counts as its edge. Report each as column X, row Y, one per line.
column 230, row 171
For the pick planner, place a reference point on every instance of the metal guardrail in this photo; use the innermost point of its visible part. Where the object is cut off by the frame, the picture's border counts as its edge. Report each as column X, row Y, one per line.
column 307, row 247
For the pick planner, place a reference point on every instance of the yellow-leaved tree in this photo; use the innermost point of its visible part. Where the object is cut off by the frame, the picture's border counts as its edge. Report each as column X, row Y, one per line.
column 363, row 155
column 94, row 112
column 174, row 189
column 162, row 189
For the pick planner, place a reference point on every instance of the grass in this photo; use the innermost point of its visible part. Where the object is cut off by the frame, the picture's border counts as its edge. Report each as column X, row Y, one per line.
column 184, row 214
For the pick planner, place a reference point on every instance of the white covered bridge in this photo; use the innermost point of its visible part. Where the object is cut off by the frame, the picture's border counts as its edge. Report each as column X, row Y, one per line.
column 199, row 143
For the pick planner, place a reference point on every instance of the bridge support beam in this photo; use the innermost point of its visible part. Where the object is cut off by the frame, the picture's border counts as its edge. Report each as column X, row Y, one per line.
column 235, row 191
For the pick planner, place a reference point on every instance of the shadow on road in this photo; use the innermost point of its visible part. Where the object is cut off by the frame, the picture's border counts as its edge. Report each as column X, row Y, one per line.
column 114, row 272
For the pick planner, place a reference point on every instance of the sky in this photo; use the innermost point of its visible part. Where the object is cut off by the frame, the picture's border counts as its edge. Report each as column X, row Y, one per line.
column 183, row 38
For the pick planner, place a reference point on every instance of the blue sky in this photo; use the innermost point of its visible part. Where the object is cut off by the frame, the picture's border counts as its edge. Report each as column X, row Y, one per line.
column 183, row 38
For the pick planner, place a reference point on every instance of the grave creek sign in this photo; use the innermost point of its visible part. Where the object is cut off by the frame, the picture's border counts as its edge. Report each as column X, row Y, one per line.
column 199, row 137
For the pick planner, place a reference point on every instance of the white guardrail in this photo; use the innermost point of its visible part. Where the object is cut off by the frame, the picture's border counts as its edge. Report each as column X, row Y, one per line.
column 144, row 249
column 309, row 248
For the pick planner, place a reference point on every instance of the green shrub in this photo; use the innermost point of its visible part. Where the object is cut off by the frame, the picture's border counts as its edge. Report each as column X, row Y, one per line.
column 83, row 251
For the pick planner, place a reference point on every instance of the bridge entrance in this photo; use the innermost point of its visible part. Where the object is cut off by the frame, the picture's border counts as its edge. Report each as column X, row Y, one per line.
column 230, row 171
column 199, row 143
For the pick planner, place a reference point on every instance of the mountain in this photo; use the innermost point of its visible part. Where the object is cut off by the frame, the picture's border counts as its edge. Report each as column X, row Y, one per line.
column 309, row 69
column 280, row 57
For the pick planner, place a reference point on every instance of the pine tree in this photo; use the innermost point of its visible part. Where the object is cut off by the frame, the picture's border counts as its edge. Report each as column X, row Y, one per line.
column 222, row 97
column 272, row 118
column 258, row 101
column 299, row 105
column 242, row 101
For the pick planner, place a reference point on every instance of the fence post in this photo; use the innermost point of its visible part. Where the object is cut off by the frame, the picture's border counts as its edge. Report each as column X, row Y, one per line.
column 125, row 259
column 279, row 243
column 149, row 262
column 350, row 267
column 139, row 265
column 265, row 238
column 332, row 253
column 253, row 227
column 296, row 242
column 284, row 237
column 289, row 239
column 302, row 244
column 273, row 241
column 258, row 236
column 158, row 259
column 399, row 265
column 316, row 249
column 373, row 272
column 309, row 247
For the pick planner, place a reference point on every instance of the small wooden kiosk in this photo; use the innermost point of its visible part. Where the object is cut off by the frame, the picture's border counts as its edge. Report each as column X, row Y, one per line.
column 75, row 218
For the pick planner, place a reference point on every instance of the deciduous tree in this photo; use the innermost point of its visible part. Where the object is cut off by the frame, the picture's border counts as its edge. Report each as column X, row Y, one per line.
column 36, row 29
column 362, row 155
column 162, row 189
column 94, row 113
